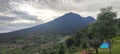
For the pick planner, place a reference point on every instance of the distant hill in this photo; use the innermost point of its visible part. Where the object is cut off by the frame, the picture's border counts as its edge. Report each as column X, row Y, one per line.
column 67, row 24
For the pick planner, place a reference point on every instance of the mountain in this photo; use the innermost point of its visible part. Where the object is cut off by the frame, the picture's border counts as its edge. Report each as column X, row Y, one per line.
column 67, row 24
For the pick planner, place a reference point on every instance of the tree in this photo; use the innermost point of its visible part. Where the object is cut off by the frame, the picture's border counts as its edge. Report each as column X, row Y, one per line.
column 106, row 22
column 61, row 48
column 84, row 39
column 77, row 39
column 94, row 36
column 104, row 28
column 84, row 44
column 95, row 43
column 69, row 42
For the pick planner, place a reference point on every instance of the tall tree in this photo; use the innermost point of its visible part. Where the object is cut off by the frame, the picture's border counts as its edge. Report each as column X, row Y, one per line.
column 104, row 28
column 105, row 19
column 94, row 36
column 107, row 24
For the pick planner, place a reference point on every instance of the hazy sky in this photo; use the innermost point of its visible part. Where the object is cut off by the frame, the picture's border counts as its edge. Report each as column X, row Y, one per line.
column 19, row 14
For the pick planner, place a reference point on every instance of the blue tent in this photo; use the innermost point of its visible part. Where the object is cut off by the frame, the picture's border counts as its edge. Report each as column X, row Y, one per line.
column 104, row 45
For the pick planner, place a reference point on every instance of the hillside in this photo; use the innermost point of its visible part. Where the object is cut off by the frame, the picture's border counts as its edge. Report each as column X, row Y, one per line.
column 69, row 23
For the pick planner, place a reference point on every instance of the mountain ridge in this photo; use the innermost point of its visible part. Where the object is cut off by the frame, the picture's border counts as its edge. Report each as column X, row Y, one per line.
column 67, row 22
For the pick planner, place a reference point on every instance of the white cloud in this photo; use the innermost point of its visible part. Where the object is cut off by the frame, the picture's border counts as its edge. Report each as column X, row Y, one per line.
column 23, row 21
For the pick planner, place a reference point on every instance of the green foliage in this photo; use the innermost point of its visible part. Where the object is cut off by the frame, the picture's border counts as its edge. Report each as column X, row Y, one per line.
column 71, row 50
column 107, row 26
column 77, row 38
column 44, row 51
column 69, row 42
column 84, row 44
column 116, row 47
column 106, row 14
column 103, row 29
column 61, row 48
column 117, row 21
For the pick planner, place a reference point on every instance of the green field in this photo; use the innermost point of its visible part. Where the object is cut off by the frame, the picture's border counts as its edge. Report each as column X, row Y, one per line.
column 34, row 50
column 115, row 48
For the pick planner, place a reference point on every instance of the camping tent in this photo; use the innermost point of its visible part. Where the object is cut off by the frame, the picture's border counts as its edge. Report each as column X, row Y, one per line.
column 104, row 45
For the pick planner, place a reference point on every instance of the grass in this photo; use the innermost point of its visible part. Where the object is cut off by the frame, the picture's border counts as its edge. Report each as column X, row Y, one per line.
column 115, row 48
column 32, row 50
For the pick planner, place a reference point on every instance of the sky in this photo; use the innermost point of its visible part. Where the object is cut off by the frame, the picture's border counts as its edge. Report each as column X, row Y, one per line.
column 21, row 14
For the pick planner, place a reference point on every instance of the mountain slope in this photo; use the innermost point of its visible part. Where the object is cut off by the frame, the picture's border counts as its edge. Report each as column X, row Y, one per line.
column 66, row 24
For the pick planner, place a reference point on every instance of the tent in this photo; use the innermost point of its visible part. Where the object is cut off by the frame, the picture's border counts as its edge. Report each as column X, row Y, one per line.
column 104, row 45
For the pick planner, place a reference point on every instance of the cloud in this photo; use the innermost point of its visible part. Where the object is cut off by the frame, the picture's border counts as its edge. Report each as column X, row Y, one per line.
column 6, row 18
column 25, row 16
column 20, row 14
column 4, row 5
column 8, row 24
column 14, row 26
